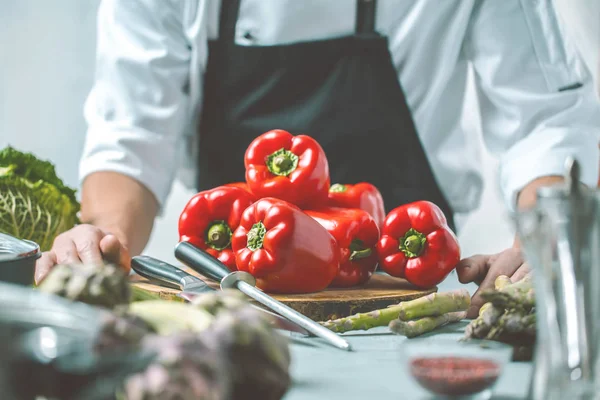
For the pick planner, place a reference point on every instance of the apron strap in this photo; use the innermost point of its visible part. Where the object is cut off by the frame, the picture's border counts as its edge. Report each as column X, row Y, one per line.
column 365, row 16
column 228, row 20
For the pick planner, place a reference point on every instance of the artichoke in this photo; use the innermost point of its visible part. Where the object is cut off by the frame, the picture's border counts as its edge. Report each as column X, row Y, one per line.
column 257, row 357
column 122, row 331
column 99, row 285
column 185, row 368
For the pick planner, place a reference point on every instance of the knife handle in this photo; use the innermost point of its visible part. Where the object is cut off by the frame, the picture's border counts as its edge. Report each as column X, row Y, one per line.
column 157, row 270
column 201, row 262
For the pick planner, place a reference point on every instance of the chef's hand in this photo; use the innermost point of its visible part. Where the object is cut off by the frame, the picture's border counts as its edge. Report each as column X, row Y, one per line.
column 83, row 244
column 484, row 269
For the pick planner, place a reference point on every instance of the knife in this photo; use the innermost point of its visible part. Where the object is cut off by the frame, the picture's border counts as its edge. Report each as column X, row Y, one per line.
column 165, row 274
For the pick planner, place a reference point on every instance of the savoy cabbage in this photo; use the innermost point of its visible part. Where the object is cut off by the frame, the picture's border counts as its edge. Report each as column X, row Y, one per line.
column 35, row 204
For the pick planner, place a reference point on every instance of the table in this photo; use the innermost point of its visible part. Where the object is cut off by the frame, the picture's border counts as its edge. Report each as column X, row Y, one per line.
column 374, row 370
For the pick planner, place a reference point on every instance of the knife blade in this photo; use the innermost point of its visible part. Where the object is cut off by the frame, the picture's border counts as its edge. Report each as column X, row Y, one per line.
column 169, row 275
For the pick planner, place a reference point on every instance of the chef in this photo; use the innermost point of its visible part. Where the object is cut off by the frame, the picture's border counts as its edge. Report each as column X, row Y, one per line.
column 184, row 86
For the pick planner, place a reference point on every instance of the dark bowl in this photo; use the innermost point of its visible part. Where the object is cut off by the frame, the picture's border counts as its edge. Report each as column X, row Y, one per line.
column 17, row 260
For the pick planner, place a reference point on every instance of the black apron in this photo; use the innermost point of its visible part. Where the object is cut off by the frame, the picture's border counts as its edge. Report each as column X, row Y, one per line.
column 344, row 92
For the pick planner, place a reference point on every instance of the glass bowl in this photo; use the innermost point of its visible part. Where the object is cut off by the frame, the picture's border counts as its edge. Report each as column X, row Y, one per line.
column 453, row 368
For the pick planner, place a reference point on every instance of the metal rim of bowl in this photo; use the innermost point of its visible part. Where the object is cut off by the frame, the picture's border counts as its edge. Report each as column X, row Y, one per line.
column 33, row 253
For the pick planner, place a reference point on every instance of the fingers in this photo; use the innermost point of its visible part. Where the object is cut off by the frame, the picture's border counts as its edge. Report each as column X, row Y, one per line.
column 43, row 265
column 507, row 263
column 472, row 269
column 520, row 273
column 83, row 244
column 87, row 242
column 65, row 251
column 113, row 251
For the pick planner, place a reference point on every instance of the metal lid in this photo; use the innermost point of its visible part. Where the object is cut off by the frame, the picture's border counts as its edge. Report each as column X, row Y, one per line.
column 12, row 248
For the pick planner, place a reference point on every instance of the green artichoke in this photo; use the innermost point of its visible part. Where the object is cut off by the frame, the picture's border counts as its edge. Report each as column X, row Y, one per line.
column 185, row 369
column 99, row 285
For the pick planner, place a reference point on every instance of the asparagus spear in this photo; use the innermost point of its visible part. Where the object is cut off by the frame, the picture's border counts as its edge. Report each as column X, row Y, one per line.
column 502, row 281
column 508, row 317
column 435, row 304
column 426, row 324
column 516, row 295
column 432, row 305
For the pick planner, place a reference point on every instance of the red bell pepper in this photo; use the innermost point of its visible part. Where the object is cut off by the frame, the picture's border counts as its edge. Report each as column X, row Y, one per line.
column 209, row 219
column 241, row 185
column 356, row 235
column 417, row 244
column 284, row 249
column 291, row 168
column 361, row 195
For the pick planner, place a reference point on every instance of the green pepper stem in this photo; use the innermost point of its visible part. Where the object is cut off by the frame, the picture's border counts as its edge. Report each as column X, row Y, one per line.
column 338, row 188
column 358, row 250
column 282, row 162
column 413, row 243
column 256, row 236
column 218, row 235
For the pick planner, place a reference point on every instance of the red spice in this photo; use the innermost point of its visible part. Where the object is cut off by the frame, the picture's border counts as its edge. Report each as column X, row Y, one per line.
column 455, row 376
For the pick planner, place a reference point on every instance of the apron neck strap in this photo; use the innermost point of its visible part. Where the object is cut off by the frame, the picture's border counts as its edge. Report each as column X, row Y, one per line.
column 365, row 16
column 228, row 19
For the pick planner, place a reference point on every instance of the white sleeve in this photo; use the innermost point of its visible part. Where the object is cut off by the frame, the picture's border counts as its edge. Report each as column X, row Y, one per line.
column 537, row 98
column 137, row 110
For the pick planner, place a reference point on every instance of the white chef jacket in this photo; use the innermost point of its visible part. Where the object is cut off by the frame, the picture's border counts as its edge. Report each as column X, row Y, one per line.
column 537, row 100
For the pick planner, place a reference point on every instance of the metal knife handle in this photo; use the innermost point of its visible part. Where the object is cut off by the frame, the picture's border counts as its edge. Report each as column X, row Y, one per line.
column 200, row 261
column 157, row 270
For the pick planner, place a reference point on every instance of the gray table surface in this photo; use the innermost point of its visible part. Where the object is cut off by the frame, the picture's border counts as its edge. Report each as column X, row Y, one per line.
column 374, row 369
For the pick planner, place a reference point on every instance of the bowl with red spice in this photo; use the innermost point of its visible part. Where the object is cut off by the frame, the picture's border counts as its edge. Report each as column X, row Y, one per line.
column 456, row 369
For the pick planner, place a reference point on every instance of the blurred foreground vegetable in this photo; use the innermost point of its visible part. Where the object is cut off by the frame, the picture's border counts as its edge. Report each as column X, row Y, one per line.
column 185, row 368
column 99, row 285
column 34, row 202
column 216, row 348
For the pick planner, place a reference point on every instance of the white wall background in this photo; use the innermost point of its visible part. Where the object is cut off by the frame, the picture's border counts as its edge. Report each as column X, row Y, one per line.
column 46, row 71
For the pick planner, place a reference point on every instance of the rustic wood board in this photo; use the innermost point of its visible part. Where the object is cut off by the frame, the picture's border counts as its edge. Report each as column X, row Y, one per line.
column 380, row 292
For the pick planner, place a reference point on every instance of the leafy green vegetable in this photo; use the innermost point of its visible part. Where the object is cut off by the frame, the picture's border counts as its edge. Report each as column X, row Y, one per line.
column 35, row 204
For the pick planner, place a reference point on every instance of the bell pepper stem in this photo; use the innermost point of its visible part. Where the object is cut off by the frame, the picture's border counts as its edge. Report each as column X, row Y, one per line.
column 282, row 162
column 358, row 250
column 337, row 188
column 413, row 243
column 256, row 236
column 218, row 235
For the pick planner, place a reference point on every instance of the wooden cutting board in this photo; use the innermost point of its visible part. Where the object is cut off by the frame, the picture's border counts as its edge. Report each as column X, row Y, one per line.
column 380, row 292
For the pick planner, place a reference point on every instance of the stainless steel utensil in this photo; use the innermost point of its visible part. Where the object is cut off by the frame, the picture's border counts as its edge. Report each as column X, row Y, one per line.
column 212, row 268
column 191, row 286
column 17, row 259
